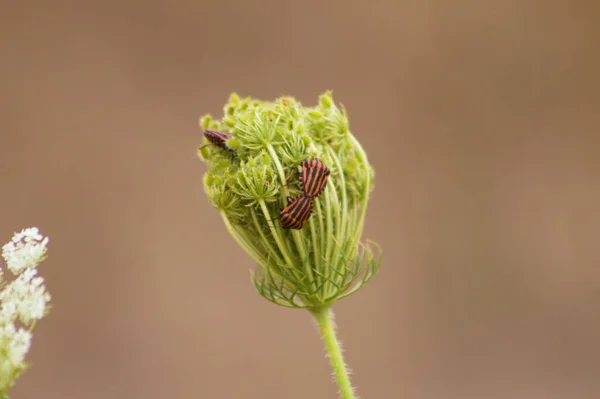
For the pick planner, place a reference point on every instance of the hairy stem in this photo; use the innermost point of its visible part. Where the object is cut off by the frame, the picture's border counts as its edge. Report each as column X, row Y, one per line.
column 324, row 318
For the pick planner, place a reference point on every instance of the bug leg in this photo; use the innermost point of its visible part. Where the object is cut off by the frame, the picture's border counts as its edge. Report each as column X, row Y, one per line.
column 289, row 179
column 273, row 220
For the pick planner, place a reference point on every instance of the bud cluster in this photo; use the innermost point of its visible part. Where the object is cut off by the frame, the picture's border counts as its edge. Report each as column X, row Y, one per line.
column 251, row 165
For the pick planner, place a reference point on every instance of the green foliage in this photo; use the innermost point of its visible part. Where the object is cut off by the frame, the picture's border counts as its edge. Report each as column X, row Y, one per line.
column 248, row 184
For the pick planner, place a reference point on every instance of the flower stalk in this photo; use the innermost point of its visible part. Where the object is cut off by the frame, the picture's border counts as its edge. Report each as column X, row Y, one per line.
column 324, row 318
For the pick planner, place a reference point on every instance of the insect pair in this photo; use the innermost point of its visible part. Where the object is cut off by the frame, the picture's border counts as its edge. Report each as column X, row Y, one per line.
column 314, row 175
column 313, row 180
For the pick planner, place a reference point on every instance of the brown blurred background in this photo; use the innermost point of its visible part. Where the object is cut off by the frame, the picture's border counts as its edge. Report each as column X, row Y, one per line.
column 482, row 121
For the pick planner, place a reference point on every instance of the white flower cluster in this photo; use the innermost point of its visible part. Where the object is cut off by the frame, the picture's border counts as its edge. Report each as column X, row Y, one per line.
column 26, row 250
column 23, row 299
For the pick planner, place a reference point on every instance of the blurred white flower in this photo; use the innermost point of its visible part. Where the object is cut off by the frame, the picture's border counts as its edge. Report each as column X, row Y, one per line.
column 27, row 295
column 26, row 249
column 15, row 343
column 23, row 299
column 8, row 311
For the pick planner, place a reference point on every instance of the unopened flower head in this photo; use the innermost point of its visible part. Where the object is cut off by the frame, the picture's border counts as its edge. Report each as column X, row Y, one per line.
column 24, row 300
column 250, row 179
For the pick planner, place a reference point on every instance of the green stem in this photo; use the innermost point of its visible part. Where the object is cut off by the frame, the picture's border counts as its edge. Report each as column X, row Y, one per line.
column 317, row 258
column 324, row 317
column 328, row 287
column 264, row 239
column 278, row 240
column 338, row 235
column 365, row 199
column 242, row 241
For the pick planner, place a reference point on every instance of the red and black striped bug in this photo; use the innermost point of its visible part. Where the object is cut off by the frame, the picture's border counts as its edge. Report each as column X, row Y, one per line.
column 218, row 138
column 296, row 213
column 313, row 178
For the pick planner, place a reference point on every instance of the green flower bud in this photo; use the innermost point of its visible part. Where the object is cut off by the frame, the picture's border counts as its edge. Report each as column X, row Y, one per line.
column 325, row 260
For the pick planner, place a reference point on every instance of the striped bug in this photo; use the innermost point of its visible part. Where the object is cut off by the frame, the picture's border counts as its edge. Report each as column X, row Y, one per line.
column 218, row 138
column 296, row 213
column 313, row 178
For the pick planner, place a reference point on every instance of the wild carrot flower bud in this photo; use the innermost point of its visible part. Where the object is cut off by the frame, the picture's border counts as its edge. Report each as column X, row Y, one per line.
column 292, row 185
column 24, row 299
column 249, row 179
